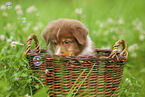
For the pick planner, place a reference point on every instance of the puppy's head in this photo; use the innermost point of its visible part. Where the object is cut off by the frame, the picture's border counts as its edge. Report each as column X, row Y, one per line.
column 66, row 37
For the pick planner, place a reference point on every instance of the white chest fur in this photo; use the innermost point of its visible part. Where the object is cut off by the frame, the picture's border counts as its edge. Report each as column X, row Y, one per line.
column 89, row 49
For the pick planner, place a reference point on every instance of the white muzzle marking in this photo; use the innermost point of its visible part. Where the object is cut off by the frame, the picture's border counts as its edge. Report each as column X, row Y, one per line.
column 57, row 51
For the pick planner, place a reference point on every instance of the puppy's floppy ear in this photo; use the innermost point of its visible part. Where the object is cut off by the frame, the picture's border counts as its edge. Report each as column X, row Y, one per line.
column 80, row 33
column 45, row 35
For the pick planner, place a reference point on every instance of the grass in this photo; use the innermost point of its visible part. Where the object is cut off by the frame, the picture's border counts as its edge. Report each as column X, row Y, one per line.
column 107, row 21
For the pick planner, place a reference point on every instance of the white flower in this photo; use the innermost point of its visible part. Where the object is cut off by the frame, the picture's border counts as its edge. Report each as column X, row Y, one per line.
column 79, row 10
column 2, row 37
column 9, row 41
column 9, row 25
column 14, row 43
column 35, row 28
column 3, row 7
column 141, row 37
column 120, row 21
column 27, row 95
column 21, row 44
column 139, row 26
column 110, row 20
column 128, row 80
column 132, row 47
column 114, row 29
column 19, row 12
column 5, row 14
column 133, row 55
column 11, row 37
column 101, row 25
column 31, row 9
column 17, row 7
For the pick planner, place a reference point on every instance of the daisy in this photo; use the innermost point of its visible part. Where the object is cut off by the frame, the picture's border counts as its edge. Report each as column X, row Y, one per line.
column 141, row 37
column 5, row 14
column 133, row 47
column 19, row 12
column 18, row 7
column 31, row 9
column 110, row 20
column 3, row 7
column 35, row 28
column 79, row 10
column 2, row 37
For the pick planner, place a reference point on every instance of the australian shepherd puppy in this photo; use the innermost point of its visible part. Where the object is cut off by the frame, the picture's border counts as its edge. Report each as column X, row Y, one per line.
column 67, row 37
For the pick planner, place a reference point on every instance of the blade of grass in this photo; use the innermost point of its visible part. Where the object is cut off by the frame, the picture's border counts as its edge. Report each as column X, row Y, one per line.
column 71, row 90
column 84, row 80
column 37, row 80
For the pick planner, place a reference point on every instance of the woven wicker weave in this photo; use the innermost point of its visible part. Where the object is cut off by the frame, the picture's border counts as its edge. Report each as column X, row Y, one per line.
column 102, row 75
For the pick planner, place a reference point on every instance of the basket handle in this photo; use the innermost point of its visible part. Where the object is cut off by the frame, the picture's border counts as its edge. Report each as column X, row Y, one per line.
column 124, row 51
column 28, row 47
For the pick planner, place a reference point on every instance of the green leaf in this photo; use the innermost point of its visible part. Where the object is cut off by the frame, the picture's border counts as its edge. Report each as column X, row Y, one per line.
column 42, row 92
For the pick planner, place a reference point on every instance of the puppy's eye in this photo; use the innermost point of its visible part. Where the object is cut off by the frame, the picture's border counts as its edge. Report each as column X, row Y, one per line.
column 54, row 43
column 66, row 42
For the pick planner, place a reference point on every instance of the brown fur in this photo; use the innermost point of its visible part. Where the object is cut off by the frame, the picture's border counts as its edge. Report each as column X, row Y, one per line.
column 71, row 39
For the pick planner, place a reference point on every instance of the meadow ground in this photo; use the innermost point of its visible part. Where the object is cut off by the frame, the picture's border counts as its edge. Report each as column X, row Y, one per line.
column 107, row 21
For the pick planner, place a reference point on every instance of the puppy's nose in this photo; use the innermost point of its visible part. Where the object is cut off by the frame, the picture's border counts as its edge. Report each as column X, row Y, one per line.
column 61, row 53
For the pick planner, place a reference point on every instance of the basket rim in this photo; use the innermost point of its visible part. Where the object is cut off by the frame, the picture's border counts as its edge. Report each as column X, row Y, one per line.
column 85, row 57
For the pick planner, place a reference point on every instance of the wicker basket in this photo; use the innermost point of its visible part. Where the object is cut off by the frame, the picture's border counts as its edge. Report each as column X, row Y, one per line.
column 102, row 73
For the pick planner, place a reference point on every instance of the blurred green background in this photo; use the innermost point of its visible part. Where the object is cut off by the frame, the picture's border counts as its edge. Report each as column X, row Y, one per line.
column 107, row 21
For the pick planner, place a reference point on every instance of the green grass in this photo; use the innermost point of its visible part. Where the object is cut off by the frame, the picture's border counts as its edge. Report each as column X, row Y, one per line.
column 101, row 17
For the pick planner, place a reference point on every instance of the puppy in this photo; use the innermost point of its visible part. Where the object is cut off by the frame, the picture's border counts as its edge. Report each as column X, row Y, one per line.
column 67, row 37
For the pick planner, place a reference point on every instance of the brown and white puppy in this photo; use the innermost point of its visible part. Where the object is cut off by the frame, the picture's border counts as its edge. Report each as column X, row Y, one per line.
column 67, row 37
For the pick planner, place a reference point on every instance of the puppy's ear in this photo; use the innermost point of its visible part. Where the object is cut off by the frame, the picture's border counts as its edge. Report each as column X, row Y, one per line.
column 45, row 35
column 80, row 33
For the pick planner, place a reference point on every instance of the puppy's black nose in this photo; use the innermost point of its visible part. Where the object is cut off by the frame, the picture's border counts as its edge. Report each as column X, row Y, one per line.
column 61, row 53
